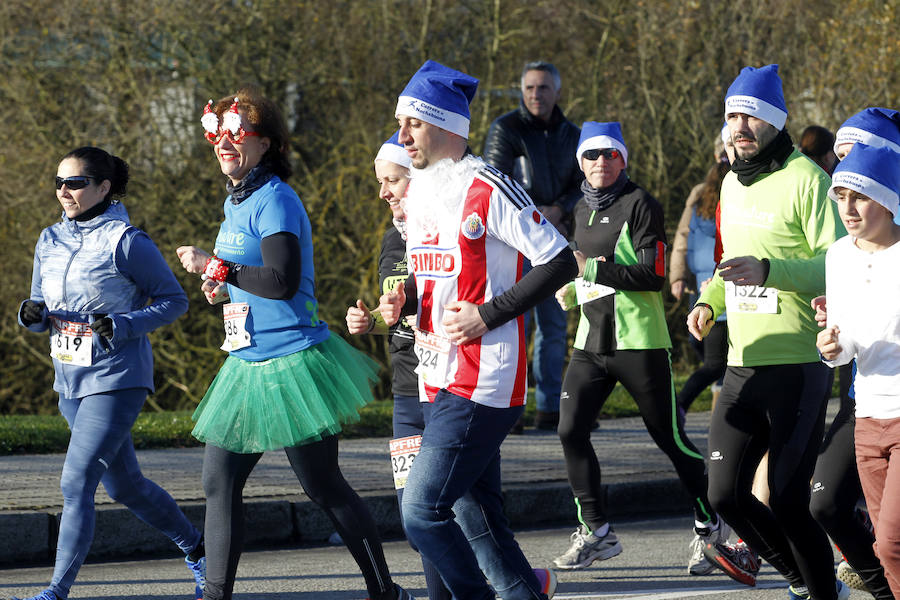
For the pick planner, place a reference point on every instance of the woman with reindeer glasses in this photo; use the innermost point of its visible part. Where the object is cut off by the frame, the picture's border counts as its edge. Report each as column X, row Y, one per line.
column 93, row 276
column 287, row 382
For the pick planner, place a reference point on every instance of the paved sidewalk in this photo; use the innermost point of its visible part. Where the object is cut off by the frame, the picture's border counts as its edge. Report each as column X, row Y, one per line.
column 638, row 478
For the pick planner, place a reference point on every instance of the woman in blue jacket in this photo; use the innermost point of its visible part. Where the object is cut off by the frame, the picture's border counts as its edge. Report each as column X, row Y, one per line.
column 701, row 261
column 93, row 276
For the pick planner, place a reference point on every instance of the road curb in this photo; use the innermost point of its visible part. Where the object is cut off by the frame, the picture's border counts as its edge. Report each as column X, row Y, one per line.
column 29, row 537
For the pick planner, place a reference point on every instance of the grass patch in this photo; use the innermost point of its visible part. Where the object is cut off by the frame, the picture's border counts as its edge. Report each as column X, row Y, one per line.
column 42, row 434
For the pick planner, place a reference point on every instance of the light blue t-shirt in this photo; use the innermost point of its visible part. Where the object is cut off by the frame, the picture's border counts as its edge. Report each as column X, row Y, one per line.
column 277, row 327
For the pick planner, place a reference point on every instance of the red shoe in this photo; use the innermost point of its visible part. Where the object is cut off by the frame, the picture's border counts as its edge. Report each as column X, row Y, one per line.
column 737, row 560
column 547, row 579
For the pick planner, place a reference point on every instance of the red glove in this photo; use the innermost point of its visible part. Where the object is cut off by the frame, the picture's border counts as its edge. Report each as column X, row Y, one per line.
column 216, row 269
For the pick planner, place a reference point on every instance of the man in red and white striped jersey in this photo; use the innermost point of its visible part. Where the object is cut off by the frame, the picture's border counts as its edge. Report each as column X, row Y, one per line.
column 469, row 228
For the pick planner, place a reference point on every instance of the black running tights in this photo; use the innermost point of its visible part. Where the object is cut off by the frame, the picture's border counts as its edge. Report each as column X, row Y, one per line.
column 779, row 408
column 835, row 492
column 316, row 466
column 647, row 376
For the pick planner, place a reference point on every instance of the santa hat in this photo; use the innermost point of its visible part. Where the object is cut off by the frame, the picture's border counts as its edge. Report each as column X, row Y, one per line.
column 596, row 135
column 725, row 134
column 872, row 127
column 439, row 95
column 757, row 92
column 871, row 171
column 392, row 150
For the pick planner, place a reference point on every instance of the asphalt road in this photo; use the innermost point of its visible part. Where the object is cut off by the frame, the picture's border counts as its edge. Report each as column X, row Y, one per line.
column 652, row 567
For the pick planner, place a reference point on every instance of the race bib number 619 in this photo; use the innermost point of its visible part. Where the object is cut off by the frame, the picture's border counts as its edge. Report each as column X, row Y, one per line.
column 71, row 342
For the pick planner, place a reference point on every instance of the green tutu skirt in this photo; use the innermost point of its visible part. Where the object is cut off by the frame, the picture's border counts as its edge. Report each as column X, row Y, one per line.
column 287, row 401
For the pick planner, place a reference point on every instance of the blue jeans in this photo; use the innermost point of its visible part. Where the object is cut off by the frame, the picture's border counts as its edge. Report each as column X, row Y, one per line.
column 409, row 418
column 458, row 471
column 549, row 356
column 100, row 449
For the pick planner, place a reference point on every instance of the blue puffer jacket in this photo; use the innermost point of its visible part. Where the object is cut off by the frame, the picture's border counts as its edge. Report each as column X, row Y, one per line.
column 701, row 247
column 701, row 250
column 105, row 266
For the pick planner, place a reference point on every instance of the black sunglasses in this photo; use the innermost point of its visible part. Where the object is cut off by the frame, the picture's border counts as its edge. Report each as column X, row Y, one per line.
column 75, row 182
column 607, row 153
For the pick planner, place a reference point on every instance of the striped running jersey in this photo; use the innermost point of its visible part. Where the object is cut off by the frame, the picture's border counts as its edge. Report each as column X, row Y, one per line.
column 469, row 230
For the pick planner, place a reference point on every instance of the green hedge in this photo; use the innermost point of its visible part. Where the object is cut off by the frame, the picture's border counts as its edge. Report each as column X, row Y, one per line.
column 42, row 434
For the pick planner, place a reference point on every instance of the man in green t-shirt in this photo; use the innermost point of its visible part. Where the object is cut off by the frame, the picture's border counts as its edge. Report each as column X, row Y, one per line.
column 775, row 223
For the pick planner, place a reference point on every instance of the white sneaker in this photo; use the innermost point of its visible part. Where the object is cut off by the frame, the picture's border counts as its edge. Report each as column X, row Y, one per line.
column 848, row 575
column 698, row 564
column 587, row 547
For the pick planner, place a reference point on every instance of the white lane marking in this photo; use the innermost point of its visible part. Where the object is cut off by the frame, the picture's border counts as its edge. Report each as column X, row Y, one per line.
column 668, row 594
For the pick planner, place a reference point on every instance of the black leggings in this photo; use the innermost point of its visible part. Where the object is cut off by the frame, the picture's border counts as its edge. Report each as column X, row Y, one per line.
column 647, row 376
column 779, row 408
column 715, row 354
column 316, row 466
column 835, row 492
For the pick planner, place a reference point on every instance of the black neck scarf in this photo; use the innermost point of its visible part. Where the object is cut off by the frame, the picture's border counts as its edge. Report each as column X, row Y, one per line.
column 95, row 210
column 255, row 179
column 600, row 198
column 768, row 160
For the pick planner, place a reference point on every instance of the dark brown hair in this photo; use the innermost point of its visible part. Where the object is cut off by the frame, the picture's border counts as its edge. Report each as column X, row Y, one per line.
column 816, row 141
column 267, row 121
column 709, row 198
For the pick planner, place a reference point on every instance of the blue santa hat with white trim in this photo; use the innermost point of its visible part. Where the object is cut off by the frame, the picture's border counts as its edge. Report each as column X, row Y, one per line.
column 871, row 171
column 392, row 150
column 439, row 95
column 596, row 135
column 725, row 134
column 757, row 92
column 871, row 126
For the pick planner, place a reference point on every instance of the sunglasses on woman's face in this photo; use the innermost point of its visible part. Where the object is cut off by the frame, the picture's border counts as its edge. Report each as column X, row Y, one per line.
column 607, row 153
column 75, row 182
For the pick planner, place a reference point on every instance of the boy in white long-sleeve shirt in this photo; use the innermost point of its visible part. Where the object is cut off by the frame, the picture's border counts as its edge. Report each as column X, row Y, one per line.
column 863, row 298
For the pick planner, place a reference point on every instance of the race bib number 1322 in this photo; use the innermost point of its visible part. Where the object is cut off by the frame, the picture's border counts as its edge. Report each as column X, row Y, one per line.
column 750, row 299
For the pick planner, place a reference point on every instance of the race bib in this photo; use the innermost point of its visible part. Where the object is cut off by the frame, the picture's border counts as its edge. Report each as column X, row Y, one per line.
column 586, row 291
column 433, row 352
column 236, row 336
column 71, row 342
column 403, row 452
column 750, row 299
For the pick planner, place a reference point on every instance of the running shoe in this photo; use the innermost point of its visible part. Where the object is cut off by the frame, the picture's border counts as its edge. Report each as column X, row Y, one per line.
column 45, row 595
column 698, row 564
column 737, row 560
column 547, row 579
column 198, row 570
column 402, row 594
column 587, row 547
column 848, row 575
column 802, row 593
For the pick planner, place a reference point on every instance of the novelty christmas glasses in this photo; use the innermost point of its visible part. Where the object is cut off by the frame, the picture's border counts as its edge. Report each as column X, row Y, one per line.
column 231, row 125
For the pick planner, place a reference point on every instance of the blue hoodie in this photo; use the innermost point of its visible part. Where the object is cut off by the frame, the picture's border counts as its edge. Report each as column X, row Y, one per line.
column 105, row 266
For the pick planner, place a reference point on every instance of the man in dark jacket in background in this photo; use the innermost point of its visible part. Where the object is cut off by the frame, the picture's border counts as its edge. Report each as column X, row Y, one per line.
column 534, row 145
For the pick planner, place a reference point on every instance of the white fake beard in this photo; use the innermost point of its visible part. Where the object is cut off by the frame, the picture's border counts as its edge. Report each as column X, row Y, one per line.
column 441, row 187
